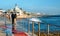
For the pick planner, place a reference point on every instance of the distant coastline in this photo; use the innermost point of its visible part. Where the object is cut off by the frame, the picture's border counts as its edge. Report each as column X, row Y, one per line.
column 51, row 16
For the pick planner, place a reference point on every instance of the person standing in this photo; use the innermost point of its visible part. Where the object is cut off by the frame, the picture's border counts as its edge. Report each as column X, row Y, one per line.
column 13, row 16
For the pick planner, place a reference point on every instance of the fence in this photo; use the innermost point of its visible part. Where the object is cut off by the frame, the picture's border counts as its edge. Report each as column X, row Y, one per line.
column 56, row 33
column 39, row 31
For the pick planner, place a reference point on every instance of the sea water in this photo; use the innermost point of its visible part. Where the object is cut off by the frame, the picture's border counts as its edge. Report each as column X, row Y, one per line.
column 22, row 25
column 47, row 20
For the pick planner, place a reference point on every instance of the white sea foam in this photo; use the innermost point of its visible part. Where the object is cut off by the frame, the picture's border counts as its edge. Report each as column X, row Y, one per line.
column 35, row 20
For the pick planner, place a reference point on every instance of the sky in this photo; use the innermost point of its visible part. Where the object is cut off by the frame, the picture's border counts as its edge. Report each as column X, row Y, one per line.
column 51, row 7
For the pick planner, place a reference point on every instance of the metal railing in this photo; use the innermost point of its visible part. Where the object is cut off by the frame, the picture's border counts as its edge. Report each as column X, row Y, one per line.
column 48, row 28
column 39, row 33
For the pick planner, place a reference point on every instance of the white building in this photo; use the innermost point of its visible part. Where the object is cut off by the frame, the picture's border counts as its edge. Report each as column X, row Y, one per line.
column 20, row 13
column 1, row 11
column 17, row 10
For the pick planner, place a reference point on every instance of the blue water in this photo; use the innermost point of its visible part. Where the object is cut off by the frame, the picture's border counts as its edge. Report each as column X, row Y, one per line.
column 43, row 26
column 51, row 20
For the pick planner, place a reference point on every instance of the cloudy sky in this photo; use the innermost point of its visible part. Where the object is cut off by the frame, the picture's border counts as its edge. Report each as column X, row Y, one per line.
column 42, row 6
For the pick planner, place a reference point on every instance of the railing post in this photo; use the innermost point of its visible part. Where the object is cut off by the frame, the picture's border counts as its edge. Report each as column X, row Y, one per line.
column 58, row 33
column 48, row 29
column 32, row 28
column 39, row 28
column 28, row 27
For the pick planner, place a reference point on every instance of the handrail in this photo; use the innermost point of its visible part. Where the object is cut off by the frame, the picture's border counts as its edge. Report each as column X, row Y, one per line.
column 44, row 22
column 50, row 24
column 39, row 27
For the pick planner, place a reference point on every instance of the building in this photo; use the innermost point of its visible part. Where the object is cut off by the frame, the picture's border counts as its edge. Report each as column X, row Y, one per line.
column 20, row 13
column 16, row 10
column 1, row 11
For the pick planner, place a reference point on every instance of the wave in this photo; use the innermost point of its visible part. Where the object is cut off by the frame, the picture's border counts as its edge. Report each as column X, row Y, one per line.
column 35, row 20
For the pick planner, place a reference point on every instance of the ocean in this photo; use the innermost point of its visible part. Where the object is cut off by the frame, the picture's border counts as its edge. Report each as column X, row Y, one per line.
column 54, row 21
column 22, row 24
